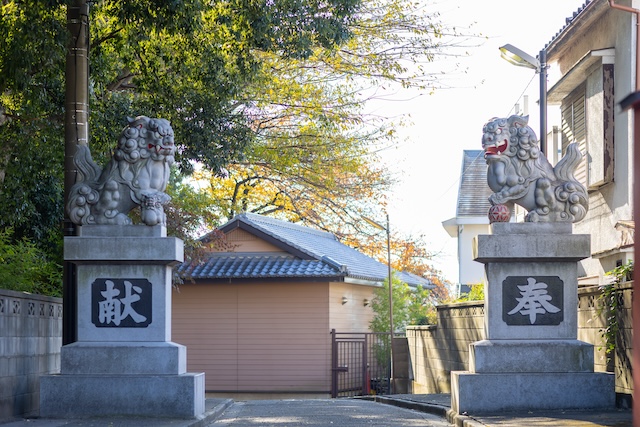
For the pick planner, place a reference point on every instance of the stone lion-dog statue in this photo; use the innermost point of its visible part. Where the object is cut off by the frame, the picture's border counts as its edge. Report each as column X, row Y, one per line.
column 136, row 175
column 519, row 173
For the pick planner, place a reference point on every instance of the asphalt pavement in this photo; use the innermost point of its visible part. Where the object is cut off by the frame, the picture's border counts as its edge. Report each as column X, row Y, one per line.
column 441, row 404
column 324, row 412
column 406, row 410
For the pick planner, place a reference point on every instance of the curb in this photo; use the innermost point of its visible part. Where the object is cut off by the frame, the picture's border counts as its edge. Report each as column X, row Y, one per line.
column 461, row 420
column 452, row 417
column 211, row 415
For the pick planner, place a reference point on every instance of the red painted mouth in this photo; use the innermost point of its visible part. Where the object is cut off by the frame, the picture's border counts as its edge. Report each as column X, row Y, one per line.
column 496, row 150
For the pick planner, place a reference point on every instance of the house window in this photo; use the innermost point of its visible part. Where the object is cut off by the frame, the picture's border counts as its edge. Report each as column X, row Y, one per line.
column 587, row 112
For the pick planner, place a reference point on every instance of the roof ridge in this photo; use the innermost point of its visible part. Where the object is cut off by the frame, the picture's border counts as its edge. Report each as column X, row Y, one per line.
column 256, row 218
column 568, row 21
column 250, row 254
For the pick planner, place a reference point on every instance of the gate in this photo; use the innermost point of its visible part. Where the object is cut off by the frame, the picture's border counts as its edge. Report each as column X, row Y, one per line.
column 360, row 363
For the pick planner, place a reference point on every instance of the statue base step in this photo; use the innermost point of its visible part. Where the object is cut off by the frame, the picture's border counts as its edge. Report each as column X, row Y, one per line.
column 520, row 356
column 156, row 396
column 145, row 358
column 474, row 393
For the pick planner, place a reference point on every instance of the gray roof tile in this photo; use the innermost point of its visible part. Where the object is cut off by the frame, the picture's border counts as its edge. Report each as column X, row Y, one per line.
column 474, row 192
column 311, row 253
column 247, row 265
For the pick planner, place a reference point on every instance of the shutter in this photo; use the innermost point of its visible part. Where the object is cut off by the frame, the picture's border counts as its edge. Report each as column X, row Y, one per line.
column 601, row 109
column 574, row 129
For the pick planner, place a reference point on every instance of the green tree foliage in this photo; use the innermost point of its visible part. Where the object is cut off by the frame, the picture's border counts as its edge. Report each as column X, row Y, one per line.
column 24, row 267
column 410, row 307
column 408, row 254
column 475, row 294
column 314, row 156
column 190, row 62
column 273, row 90
column 609, row 306
column 421, row 309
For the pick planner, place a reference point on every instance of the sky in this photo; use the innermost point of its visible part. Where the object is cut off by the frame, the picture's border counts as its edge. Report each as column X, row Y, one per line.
column 428, row 160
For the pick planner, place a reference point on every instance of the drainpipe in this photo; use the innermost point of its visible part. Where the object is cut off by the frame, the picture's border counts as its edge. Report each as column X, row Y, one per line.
column 613, row 5
column 628, row 102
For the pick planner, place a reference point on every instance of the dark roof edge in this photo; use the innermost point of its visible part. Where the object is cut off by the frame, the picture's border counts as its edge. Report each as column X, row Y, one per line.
column 341, row 267
column 202, row 281
column 574, row 22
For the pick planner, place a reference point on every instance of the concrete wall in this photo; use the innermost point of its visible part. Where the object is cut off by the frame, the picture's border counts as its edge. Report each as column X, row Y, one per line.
column 30, row 341
column 592, row 319
column 436, row 350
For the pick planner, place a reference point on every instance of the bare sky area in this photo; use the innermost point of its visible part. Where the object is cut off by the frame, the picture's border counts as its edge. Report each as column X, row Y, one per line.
column 428, row 162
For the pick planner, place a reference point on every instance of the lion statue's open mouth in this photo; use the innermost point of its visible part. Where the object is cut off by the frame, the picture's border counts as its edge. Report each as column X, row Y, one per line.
column 519, row 173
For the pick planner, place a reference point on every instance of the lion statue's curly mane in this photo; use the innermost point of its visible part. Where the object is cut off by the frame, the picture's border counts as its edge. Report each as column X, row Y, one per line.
column 136, row 175
column 519, row 173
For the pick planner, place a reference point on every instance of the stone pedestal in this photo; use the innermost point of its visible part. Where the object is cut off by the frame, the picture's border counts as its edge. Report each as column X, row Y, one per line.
column 124, row 363
column 531, row 358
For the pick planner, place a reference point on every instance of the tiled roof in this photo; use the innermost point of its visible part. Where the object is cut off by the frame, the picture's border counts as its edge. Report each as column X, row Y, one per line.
column 263, row 265
column 474, row 192
column 312, row 253
column 568, row 21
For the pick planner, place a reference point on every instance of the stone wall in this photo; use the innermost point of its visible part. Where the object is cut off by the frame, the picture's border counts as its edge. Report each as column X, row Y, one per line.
column 30, row 341
column 592, row 318
column 436, row 350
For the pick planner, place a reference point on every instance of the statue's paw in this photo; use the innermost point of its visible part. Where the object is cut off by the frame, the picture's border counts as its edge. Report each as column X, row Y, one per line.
column 495, row 199
column 532, row 217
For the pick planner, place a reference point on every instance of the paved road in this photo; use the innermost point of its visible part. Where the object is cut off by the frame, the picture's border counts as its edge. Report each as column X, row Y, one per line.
column 323, row 412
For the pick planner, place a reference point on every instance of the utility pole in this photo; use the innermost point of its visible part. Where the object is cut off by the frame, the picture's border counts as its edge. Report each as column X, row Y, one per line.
column 76, row 131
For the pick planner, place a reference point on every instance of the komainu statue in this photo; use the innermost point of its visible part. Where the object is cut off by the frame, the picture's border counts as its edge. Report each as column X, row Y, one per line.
column 519, row 173
column 136, row 175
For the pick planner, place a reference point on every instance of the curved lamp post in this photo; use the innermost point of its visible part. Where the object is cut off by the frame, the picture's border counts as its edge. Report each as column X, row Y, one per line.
column 515, row 56
column 387, row 229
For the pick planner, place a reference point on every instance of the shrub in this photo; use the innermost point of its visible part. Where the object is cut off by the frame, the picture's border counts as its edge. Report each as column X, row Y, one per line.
column 25, row 267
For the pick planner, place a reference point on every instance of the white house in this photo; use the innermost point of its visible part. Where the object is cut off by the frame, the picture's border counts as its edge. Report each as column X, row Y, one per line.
column 471, row 217
column 594, row 63
column 592, row 67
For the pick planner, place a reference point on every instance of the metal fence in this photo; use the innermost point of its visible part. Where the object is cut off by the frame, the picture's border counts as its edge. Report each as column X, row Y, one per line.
column 360, row 363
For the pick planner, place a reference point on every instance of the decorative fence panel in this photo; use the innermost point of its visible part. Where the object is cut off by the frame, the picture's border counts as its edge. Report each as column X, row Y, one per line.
column 30, row 342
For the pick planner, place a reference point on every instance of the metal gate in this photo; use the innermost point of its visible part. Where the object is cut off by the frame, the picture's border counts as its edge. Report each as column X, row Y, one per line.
column 360, row 363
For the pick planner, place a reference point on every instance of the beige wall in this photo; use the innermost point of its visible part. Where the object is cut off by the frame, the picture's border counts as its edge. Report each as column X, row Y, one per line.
column 243, row 241
column 266, row 337
column 353, row 316
column 271, row 337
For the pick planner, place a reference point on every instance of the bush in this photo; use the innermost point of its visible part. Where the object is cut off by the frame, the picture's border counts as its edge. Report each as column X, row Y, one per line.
column 25, row 267
column 475, row 294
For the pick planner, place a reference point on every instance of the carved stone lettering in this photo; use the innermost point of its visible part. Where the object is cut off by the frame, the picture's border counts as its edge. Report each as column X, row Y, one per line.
column 121, row 303
column 532, row 300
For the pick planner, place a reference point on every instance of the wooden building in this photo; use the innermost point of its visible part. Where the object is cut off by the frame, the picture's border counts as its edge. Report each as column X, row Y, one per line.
column 257, row 318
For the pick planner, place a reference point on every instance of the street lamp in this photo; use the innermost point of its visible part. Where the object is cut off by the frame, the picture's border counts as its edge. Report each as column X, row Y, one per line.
column 515, row 56
column 387, row 229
